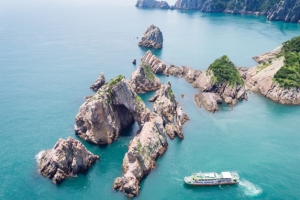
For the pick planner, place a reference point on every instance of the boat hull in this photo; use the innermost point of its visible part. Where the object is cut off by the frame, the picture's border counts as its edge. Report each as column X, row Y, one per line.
column 211, row 184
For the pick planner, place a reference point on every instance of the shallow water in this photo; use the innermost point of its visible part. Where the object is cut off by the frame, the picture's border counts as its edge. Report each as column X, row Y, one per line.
column 51, row 52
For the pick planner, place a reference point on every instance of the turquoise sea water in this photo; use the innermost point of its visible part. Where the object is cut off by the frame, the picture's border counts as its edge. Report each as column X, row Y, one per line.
column 51, row 52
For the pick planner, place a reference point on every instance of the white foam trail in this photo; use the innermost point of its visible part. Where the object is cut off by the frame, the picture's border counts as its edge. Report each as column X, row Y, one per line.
column 39, row 156
column 249, row 188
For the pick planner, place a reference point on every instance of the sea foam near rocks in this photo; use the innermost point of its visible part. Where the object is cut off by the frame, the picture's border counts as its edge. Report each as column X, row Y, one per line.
column 38, row 156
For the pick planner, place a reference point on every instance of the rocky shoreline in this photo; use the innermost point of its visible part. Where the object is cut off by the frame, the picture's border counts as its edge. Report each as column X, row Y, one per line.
column 285, row 10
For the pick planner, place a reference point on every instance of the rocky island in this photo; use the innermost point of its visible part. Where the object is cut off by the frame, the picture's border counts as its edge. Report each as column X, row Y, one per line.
column 278, row 75
column 152, row 38
column 143, row 80
column 99, row 82
column 276, row 10
column 67, row 158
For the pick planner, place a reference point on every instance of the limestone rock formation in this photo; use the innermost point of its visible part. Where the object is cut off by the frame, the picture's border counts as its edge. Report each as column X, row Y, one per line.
column 152, row 38
column 99, row 82
column 143, row 150
column 260, row 78
column 67, row 158
column 152, row 4
column 112, row 108
column 209, row 100
column 143, row 80
column 155, row 64
column 190, row 75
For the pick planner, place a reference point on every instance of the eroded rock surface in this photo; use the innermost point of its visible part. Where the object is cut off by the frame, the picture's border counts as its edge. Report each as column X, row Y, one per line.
column 190, row 75
column 99, row 82
column 267, row 56
column 286, row 10
column 152, row 38
column 152, row 4
column 260, row 78
column 142, row 153
column 67, row 158
column 209, row 100
column 155, row 64
column 174, row 71
column 112, row 108
column 143, row 80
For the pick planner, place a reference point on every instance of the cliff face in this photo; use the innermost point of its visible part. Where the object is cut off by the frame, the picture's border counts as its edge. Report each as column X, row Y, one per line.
column 104, row 115
column 152, row 4
column 279, row 10
column 288, row 11
column 155, row 64
column 66, row 158
column 143, row 150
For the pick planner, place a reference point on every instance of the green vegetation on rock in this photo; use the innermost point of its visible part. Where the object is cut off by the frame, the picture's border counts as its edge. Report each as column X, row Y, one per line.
column 171, row 94
column 289, row 74
column 148, row 72
column 224, row 71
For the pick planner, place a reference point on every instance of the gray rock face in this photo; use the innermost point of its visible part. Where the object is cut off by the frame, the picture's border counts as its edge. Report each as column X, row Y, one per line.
column 152, row 4
column 99, row 82
column 280, row 10
column 165, row 106
column 143, row 150
column 209, row 100
column 67, row 158
column 155, row 64
column 152, row 38
column 114, row 107
column 287, row 10
column 143, row 80
column 267, row 56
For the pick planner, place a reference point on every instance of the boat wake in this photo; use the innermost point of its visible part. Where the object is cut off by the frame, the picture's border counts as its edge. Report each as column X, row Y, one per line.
column 39, row 156
column 249, row 188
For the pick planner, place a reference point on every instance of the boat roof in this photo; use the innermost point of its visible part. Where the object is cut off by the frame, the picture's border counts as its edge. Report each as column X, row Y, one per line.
column 226, row 174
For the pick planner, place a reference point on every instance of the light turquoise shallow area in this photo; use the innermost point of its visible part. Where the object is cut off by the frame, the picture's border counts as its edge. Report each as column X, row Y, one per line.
column 51, row 52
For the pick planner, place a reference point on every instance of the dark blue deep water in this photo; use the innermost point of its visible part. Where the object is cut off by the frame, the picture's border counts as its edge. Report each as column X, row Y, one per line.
column 52, row 51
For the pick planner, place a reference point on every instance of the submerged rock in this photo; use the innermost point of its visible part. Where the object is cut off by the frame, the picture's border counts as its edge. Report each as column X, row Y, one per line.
column 67, row 158
column 143, row 80
column 155, row 64
column 209, row 100
column 143, row 150
column 99, row 82
column 114, row 107
column 152, row 38
column 152, row 4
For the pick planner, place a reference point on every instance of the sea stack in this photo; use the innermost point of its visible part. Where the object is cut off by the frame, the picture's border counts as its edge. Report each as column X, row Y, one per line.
column 152, row 38
column 66, row 158
column 143, row 80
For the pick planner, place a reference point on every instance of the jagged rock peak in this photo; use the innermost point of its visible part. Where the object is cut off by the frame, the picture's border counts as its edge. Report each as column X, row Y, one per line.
column 143, row 150
column 112, row 108
column 67, row 158
column 99, row 82
column 152, row 38
column 152, row 4
column 155, row 64
column 143, row 80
